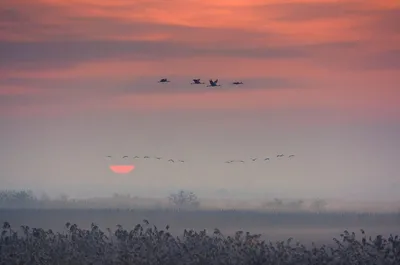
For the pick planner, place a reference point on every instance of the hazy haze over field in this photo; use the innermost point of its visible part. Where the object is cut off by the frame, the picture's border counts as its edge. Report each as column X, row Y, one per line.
column 320, row 81
column 351, row 162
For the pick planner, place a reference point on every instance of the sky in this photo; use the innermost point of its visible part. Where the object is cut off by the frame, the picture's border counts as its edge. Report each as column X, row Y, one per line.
column 78, row 82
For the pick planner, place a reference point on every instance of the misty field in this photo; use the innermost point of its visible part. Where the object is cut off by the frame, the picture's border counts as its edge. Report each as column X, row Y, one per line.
column 116, row 236
column 124, row 230
column 305, row 226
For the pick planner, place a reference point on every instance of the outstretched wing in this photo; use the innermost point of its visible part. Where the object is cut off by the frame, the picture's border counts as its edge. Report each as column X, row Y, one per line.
column 211, row 82
column 216, row 81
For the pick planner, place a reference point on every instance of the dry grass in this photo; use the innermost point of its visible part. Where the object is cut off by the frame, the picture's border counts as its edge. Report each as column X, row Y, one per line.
column 147, row 244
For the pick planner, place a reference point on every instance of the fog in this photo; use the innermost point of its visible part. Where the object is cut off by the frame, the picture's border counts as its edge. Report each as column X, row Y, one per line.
column 351, row 167
column 334, row 161
column 277, row 219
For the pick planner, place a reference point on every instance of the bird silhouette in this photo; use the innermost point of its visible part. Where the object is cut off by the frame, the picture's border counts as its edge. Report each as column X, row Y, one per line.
column 136, row 157
column 163, row 80
column 266, row 159
column 171, row 160
column 125, row 157
column 158, row 158
column 182, row 161
column 253, row 159
column 213, row 83
column 196, row 82
column 291, row 156
column 237, row 161
column 146, row 157
column 237, row 83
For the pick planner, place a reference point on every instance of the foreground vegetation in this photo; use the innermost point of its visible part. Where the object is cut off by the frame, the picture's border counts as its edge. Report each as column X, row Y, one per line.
column 146, row 244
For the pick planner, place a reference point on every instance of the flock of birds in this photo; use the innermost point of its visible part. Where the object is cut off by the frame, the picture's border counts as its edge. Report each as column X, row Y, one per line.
column 197, row 81
column 155, row 157
column 256, row 158
column 183, row 161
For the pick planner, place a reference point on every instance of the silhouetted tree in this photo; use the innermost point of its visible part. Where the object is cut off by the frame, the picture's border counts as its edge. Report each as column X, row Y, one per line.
column 184, row 199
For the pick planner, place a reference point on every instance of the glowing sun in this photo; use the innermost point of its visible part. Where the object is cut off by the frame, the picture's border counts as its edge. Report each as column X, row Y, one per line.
column 122, row 169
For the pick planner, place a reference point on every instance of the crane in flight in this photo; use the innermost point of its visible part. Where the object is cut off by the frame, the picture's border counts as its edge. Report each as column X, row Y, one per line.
column 237, row 161
column 171, row 160
column 253, row 159
column 291, row 156
column 238, row 83
column 213, row 83
column 196, row 82
column 163, row 80
column 266, row 159
column 125, row 157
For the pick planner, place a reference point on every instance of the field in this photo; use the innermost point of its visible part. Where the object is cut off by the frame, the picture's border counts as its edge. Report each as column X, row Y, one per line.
column 305, row 227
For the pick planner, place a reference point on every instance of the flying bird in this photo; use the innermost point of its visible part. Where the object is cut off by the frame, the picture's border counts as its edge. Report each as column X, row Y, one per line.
column 196, row 82
column 266, row 159
column 125, row 157
column 237, row 83
column 213, row 83
column 291, row 156
column 146, row 157
column 158, row 158
column 280, row 155
column 182, row 161
column 163, row 80
column 171, row 160
column 136, row 157
column 253, row 159
column 239, row 161
column 108, row 156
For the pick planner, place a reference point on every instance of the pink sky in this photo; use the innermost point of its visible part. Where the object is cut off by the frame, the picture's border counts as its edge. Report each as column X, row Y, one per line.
column 333, row 55
column 321, row 79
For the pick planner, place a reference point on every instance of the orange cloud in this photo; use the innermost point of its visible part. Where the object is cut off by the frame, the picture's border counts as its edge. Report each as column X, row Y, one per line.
column 67, row 51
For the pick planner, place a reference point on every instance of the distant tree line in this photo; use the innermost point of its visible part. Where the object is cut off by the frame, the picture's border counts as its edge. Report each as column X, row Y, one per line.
column 185, row 200
column 317, row 205
column 12, row 198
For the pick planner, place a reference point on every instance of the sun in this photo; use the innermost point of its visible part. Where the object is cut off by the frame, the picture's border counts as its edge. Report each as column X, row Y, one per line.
column 122, row 169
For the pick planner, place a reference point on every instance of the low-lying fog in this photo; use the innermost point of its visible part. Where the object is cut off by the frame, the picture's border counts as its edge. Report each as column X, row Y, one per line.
column 315, row 220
